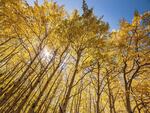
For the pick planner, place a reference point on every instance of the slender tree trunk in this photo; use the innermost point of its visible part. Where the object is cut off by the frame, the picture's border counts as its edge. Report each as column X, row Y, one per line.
column 65, row 103
column 109, row 95
column 128, row 104
column 127, row 89
column 98, row 86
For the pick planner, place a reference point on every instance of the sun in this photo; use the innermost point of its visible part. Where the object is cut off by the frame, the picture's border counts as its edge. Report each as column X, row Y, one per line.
column 46, row 54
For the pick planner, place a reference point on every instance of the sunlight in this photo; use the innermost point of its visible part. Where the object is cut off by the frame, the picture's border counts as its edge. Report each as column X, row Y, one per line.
column 46, row 54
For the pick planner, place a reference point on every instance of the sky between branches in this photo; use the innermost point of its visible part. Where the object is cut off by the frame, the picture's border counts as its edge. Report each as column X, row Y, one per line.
column 113, row 10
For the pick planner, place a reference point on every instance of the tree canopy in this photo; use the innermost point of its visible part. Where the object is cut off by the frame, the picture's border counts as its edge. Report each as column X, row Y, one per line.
column 55, row 62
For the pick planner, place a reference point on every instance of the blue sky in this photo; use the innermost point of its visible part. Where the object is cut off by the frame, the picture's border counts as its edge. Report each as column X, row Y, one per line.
column 113, row 10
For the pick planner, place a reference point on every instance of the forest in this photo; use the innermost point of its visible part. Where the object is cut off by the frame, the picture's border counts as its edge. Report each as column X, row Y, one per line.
column 52, row 61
